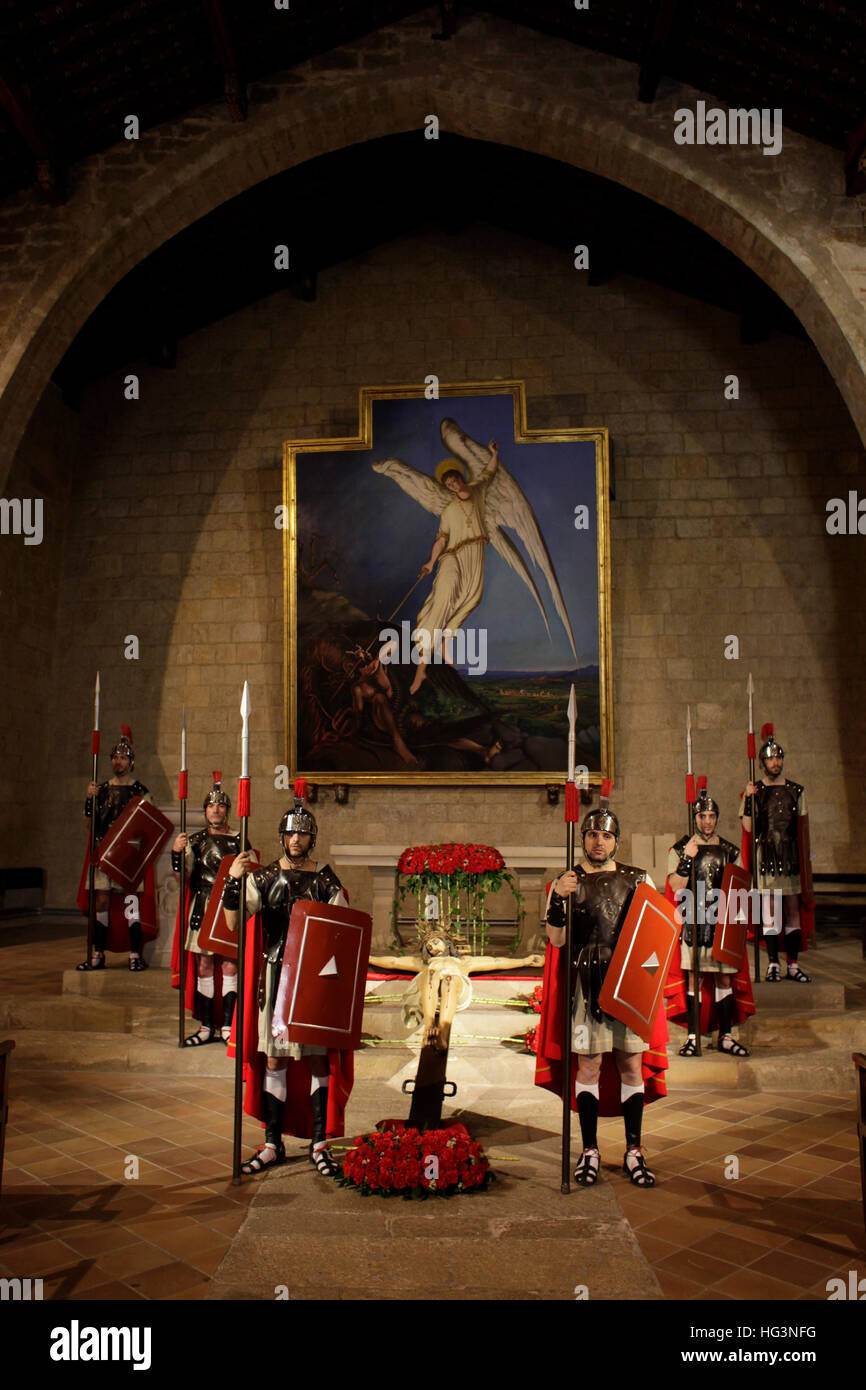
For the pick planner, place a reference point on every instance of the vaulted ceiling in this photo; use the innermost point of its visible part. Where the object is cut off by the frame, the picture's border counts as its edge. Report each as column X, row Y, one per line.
column 72, row 70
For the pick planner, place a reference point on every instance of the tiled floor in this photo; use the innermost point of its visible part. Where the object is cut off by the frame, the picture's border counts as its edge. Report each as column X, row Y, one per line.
column 758, row 1193
column 789, row 1221
column 73, row 1214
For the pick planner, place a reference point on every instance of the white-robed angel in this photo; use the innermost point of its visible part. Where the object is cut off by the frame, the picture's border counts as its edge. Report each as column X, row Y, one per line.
column 474, row 496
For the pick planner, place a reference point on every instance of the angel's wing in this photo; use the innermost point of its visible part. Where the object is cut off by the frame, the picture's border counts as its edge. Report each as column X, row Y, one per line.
column 424, row 489
column 507, row 505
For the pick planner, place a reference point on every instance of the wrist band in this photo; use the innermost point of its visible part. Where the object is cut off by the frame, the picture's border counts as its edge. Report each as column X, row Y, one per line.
column 176, row 857
column 232, row 894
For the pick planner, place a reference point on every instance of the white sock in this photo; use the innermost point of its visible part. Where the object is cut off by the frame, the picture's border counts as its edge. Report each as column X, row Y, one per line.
column 276, row 1083
column 626, row 1091
column 722, row 993
column 204, row 985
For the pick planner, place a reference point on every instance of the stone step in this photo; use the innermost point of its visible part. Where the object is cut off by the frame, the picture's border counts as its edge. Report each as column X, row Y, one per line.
column 38, row 1048
column 821, row 996
column 502, row 1064
column 117, row 983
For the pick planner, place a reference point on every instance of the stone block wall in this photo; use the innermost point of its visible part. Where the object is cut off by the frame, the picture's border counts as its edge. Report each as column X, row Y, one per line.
column 718, row 531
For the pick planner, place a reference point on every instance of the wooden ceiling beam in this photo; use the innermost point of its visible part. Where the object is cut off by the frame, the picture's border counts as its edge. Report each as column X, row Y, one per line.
column 39, row 140
column 447, row 19
column 233, row 85
column 655, row 57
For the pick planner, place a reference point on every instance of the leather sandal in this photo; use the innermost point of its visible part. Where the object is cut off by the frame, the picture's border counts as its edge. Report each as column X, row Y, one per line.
column 639, row 1174
column 774, row 974
column 323, row 1163
column 196, row 1039
column 100, row 965
column 797, row 975
column 136, row 963
column 586, row 1172
column 733, row 1048
column 256, row 1163
column 689, row 1047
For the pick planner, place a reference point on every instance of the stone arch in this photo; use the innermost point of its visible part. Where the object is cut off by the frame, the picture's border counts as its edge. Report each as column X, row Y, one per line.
column 126, row 205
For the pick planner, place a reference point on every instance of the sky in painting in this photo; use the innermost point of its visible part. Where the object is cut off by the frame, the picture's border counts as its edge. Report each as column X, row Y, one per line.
column 378, row 536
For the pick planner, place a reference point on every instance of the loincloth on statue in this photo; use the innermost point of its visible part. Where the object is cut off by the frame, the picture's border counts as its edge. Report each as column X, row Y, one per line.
column 430, row 976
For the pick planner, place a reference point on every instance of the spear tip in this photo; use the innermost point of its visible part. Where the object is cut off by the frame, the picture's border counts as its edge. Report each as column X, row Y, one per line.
column 572, row 709
column 245, row 701
column 751, row 686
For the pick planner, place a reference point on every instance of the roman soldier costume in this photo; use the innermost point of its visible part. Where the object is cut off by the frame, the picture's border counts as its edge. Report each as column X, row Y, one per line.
column 602, row 897
column 205, row 990
column 113, row 930
column 725, row 998
column 308, row 1096
column 779, row 837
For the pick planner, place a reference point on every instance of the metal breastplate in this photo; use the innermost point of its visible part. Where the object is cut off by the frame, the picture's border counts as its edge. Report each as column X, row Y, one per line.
column 111, row 801
column 599, row 911
column 208, row 853
column 709, row 863
column 776, row 827
column 598, row 905
column 280, row 889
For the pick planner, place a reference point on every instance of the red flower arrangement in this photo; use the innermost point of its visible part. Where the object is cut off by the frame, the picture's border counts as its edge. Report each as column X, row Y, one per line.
column 535, row 998
column 407, row 1163
column 450, row 859
column 530, row 1042
column 459, row 877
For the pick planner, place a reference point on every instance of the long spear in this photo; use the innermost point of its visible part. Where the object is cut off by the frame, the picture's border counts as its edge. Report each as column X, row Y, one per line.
column 750, row 805
column 94, row 756
column 243, row 814
column 696, row 941
column 182, row 795
column 572, row 812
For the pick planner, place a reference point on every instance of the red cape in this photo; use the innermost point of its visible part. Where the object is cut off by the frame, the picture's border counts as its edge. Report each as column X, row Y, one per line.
column 548, row 1062
column 298, row 1115
column 118, row 927
column 675, row 990
column 807, row 914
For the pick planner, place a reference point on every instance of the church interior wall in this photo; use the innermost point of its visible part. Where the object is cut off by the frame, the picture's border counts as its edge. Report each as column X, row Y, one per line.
column 718, row 530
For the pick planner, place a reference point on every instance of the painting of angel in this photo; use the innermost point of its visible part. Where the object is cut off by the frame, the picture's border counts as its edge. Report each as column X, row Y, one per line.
column 439, row 590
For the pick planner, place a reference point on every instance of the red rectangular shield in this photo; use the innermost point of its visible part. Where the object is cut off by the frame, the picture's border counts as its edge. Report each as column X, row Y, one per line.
column 320, row 998
column 634, row 984
column 732, row 923
column 132, row 843
column 213, row 934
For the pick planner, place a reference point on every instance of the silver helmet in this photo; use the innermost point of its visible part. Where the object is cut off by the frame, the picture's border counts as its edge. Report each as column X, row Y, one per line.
column 124, row 745
column 216, row 796
column 770, row 748
column 602, row 818
column 300, row 819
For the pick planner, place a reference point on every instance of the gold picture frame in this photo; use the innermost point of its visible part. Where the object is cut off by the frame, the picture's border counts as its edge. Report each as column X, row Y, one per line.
column 344, row 719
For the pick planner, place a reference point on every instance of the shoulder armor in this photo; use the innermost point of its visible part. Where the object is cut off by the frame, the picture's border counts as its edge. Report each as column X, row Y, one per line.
column 329, row 880
column 796, row 786
column 631, row 872
column 681, row 843
column 139, row 789
column 731, row 851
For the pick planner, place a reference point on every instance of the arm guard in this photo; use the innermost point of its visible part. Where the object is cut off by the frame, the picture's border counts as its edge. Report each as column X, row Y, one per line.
column 232, row 893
